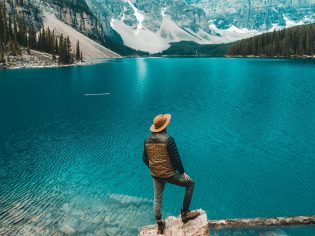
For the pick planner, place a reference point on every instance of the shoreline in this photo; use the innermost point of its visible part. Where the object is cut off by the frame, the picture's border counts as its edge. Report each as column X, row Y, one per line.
column 36, row 59
column 45, row 64
column 272, row 57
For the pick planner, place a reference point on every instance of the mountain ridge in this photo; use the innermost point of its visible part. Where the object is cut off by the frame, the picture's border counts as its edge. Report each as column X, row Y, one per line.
column 144, row 27
column 141, row 23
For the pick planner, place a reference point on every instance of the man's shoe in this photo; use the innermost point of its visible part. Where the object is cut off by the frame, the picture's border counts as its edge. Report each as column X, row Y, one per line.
column 189, row 215
column 161, row 227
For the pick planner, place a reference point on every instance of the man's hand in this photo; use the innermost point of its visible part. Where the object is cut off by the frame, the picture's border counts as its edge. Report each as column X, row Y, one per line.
column 186, row 176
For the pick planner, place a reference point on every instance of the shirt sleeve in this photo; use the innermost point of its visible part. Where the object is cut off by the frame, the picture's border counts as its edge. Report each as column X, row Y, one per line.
column 174, row 155
column 145, row 157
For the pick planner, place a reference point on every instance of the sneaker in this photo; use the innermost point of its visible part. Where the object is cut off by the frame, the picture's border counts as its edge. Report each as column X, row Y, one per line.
column 189, row 215
column 161, row 227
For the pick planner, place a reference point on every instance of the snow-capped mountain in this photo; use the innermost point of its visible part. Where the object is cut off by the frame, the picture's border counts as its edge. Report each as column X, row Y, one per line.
column 151, row 26
column 256, row 14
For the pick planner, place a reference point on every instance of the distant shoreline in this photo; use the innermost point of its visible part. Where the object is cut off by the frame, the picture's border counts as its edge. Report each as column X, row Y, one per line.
column 274, row 57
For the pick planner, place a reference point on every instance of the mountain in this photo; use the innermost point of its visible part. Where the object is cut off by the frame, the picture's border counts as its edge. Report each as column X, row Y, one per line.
column 143, row 27
column 257, row 14
column 74, row 18
column 152, row 26
column 71, row 18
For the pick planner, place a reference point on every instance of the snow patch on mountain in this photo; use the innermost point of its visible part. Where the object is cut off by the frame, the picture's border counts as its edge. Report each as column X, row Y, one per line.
column 291, row 23
column 230, row 35
column 153, row 42
column 151, row 26
column 139, row 39
column 145, row 40
column 174, row 33
column 234, row 33
column 138, row 15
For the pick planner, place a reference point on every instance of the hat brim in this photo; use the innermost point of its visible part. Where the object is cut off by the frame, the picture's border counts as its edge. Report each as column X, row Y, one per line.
column 168, row 119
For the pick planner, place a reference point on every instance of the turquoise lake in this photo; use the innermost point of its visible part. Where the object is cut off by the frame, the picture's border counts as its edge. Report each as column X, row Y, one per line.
column 71, row 164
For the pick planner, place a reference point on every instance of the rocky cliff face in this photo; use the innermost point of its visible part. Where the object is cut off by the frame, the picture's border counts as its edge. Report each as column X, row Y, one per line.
column 71, row 18
column 152, row 25
column 128, row 12
column 256, row 14
column 74, row 13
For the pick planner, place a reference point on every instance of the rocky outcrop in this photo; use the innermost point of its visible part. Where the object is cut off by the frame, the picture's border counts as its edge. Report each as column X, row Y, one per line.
column 175, row 227
column 202, row 227
column 262, row 222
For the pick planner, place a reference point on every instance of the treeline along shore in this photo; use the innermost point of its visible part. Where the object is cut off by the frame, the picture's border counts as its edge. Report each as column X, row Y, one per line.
column 298, row 41
column 21, row 45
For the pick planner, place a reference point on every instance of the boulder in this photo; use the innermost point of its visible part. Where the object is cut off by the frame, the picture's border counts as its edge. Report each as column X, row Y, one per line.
column 175, row 227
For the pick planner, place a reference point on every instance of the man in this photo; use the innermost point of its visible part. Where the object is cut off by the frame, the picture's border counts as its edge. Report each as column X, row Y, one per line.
column 161, row 156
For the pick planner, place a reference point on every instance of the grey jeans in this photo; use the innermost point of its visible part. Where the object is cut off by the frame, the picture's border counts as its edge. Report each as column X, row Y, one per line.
column 177, row 179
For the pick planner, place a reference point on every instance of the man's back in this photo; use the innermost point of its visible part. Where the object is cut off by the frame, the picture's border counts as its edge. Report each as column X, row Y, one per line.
column 158, row 156
column 161, row 156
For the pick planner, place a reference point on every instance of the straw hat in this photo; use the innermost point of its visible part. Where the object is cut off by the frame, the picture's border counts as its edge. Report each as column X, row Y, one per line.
column 160, row 122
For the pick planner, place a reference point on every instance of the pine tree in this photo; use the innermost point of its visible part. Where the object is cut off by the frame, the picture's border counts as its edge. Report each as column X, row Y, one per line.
column 61, row 50
column 3, row 25
column 78, row 52
column 9, row 29
column 2, row 20
column 42, row 42
column 285, row 47
column 14, row 29
column 52, row 43
column 2, row 58
column 32, row 37
column 68, row 51
column 48, row 44
column 308, row 48
column 56, row 46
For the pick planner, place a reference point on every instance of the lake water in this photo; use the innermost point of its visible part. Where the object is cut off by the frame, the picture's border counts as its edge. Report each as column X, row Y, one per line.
column 72, row 164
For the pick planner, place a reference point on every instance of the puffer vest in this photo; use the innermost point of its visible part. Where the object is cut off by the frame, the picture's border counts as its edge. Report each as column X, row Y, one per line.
column 158, row 156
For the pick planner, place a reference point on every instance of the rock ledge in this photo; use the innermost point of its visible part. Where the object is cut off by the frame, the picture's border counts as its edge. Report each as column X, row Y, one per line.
column 175, row 227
